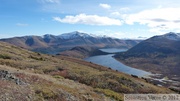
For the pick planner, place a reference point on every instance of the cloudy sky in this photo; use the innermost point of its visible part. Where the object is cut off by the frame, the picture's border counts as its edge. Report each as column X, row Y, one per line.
column 117, row 18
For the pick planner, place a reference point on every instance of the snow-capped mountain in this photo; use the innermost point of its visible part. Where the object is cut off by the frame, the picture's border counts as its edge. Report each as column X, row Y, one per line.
column 74, row 35
column 172, row 36
column 56, row 43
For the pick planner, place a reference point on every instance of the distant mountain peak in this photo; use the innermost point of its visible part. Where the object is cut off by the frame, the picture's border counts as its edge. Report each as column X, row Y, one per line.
column 48, row 36
column 75, row 34
column 172, row 36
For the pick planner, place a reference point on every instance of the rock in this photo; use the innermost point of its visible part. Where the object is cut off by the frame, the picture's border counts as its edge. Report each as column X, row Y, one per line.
column 5, row 75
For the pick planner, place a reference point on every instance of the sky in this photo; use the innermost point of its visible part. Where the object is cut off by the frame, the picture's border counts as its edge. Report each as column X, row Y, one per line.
column 115, row 18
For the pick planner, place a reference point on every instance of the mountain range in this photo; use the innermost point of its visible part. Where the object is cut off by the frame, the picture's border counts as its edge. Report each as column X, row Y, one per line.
column 158, row 54
column 52, row 44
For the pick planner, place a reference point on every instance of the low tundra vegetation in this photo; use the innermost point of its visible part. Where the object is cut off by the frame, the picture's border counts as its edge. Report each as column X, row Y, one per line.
column 58, row 77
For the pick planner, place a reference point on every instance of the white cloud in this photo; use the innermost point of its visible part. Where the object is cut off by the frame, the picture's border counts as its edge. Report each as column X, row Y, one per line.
column 105, row 6
column 115, row 13
column 158, row 20
column 88, row 20
column 22, row 24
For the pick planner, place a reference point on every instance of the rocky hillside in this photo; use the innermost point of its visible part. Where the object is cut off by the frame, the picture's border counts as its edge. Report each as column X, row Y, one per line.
column 25, row 75
column 52, row 44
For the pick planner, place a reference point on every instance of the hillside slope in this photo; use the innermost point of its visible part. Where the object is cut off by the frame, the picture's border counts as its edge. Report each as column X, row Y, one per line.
column 35, row 76
column 82, row 52
column 160, row 51
column 159, row 54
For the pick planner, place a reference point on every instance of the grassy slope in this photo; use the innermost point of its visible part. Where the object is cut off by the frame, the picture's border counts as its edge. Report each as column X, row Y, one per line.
column 48, row 77
column 40, row 87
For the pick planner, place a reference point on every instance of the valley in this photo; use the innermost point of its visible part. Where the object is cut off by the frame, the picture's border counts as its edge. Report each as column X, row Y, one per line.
column 89, row 50
column 155, row 78
column 109, row 61
column 159, row 55
column 50, row 77
column 154, row 55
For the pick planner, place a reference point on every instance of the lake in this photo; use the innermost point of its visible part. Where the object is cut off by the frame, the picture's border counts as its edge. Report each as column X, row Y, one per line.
column 109, row 61
column 113, row 50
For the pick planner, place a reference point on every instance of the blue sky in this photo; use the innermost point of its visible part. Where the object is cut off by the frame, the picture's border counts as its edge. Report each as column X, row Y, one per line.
column 116, row 18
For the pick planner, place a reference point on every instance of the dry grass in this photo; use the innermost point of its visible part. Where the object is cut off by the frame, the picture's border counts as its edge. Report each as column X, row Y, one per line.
column 51, row 78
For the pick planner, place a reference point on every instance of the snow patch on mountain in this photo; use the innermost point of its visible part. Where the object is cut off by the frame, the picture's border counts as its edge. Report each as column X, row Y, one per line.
column 172, row 36
column 74, row 35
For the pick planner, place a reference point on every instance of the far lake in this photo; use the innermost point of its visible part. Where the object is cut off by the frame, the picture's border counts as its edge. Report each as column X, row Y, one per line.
column 109, row 61
column 113, row 50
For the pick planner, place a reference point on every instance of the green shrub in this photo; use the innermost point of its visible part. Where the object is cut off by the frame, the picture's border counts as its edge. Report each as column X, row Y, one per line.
column 36, row 58
column 46, row 93
column 110, row 93
column 4, row 56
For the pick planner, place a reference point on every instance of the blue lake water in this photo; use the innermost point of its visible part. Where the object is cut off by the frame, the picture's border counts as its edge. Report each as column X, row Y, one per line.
column 109, row 61
column 113, row 50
